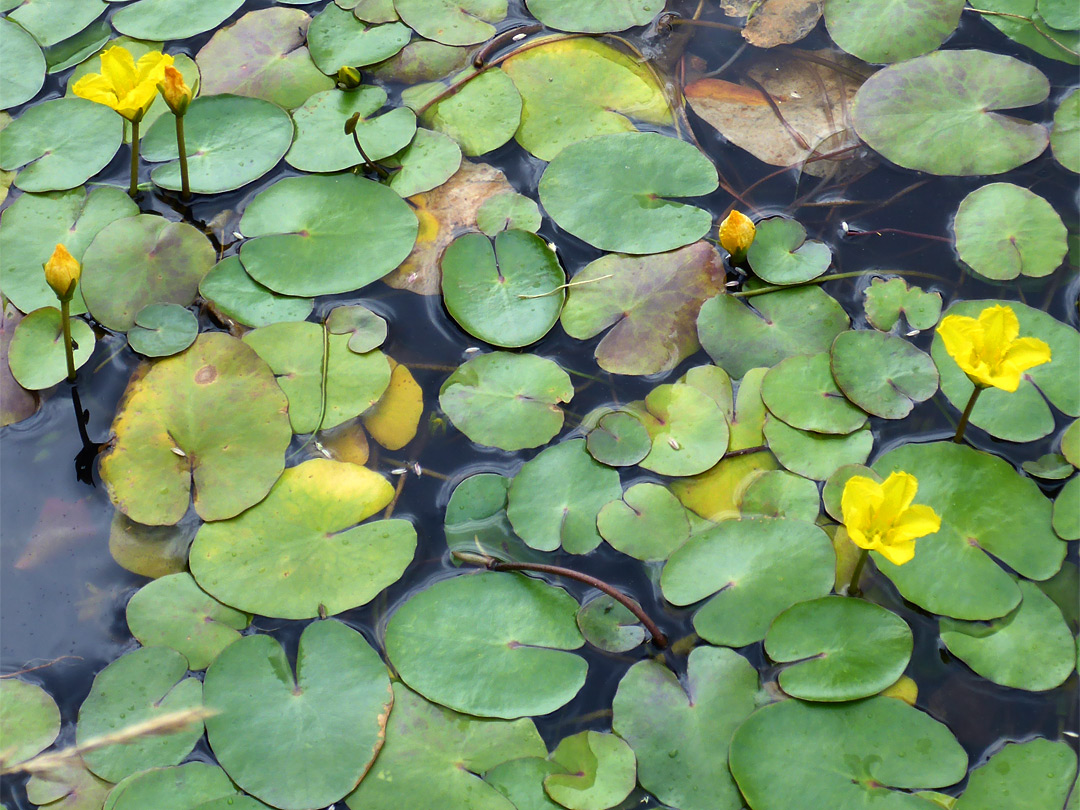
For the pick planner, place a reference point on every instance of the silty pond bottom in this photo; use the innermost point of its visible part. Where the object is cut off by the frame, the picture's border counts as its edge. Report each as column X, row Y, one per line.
column 64, row 598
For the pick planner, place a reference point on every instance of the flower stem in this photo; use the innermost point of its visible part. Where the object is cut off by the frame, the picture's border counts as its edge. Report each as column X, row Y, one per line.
column 65, row 323
column 181, row 147
column 856, row 575
column 960, row 428
column 133, row 189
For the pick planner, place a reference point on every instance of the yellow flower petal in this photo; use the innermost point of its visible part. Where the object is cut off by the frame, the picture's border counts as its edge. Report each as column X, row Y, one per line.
column 737, row 233
column 898, row 491
column 151, row 67
column 989, row 350
column 118, row 68
column 1000, row 325
column 1027, row 352
column 861, row 497
column 916, row 521
column 95, row 87
column 898, row 553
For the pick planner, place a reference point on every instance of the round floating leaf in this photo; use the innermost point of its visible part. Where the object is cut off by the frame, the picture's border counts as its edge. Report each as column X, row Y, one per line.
column 508, row 294
column 262, row 55
column 1070, row 443
column 845, row 755
column 429, row 161
column 325, row 235
column 24, row 65
column 322, row 145
column 180, row 787
column 476, row 520
column 481, row 116
column 74, row 50
column 988, row 512
column 1021, row 21
column 925, row 113
column 69, row 787
column 600, row 771
column 757, row 567
column 1021, row 415
column 1036, row 773
column 336, row 38
column 422, row 61
column 886, row 300
column 816, row 455
column 610, row 191
column 52, row 21
column 648, row 523
column 555, row 498
column 218, row 405
column 714, row 495
column 150, row 551
column 833, row 491
column 680, row 731
column 301, row 551
column 231, row 141
column 393, row 420
column 618, row 440
column 652, row 302
column 509, row 401
column 573, row 89
column 777, row 325
column 37, row 356
column 802, row 392
column 338, row 701
column 597, row 17
column 609, row 625
column 60, row 143
column 365, row 329
column 1049, row 467
column 882, row 374
column 522, row 782
column 781, row 254
column 31, row 719
column 174, row 612
column 508, row 211
column 172, row 19
column 237, row 295
column 1003, row 231
column 780, row 494
column 142, row 260
column 163, row 329
column 891, row 31
column 838, row 648
column 1028, row 648
column 135, row 688
column 501, row 641
column 1066, row 520
column 1065, row 135
column 452, row 22
column 433, row 758
column 688, row 430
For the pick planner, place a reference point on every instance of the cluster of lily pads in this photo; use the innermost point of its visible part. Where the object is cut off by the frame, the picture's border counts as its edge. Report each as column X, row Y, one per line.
column 246, row 460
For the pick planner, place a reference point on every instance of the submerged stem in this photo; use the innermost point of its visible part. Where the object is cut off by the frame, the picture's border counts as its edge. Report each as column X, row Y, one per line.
column 181, row 147
column 962, row 426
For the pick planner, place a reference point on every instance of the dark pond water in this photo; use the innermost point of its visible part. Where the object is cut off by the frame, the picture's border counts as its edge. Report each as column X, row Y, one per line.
column 62, row 596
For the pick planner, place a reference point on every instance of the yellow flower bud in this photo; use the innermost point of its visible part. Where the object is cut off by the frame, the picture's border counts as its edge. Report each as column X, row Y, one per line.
column 175, row 91
column 736, row 235
column 348, row 77
column 62, row 273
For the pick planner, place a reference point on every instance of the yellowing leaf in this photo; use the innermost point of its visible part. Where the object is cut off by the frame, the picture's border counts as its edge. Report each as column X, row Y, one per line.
column 392, row 421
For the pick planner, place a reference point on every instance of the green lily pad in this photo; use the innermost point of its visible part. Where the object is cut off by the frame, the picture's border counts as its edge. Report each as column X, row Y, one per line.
column 748, row 420
column 52, row 21
column 481, row 116
column 25, row 65
column 886, row 300
column 310, row 232
column 501, row 641
column 217, row 382
column 137, row 687
column 522, row 782
column 1003, row 231
column 610, row 191
column 925, row 113
column 163, row 329
column 429, row 161
column 71, row 786
column 322, row 145
column 422, row 61
column 79, row 47
column 883, row 374
column 294, row 351
column 1021, row 21
column 608, row 625
column 833, row 491
column 838, row 648
column 1070, row 443
column 652, row 303
column 509, row 401
column 892, row 31
column 773, row 327
column 179, row 787
column 600, row 771
column 508, row 211
column 174, row 612
column 507, row 294
column 338, row 701
column 1028, row 648
column 240, row 297
column 433, row 758
column 172, row 19
column 816, row 455
column 555, row 498
column 366, row 330
column 572, row 89
column 756, row 567
column 300, row 551
column 263, row 55
column 619, row 439
column 845, row 755
column 597, row 17
column 648, row 523
column 231, row 141
column 1049, row 467
column 1036, row 773
column 1066, row 519
column 31, row 719
column 1066, row 131
column 688, row 429
column 988, row 512
column 336, row 39
column 37, row 356
column 1021, row 415
column 780, row 494
column 801, row 391
column 150, row 551
column 1059, row 13
column 60, row 144
column 476, row 520
column 452, row 22
column 680, row 731
column 781, row 253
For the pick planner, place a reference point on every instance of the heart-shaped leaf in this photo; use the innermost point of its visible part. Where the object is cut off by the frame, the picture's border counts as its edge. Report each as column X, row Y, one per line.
column 172, row 19
column 337, row 38
column 452, row 22
column 37, row 356
column 25, row 65
column 599, row 771
column 31, row 719
column 648, row 522
column 240, row 297
column 893, row 30
column 163, row 329
column 882, row 374
column 781, row 254
column 801, row 391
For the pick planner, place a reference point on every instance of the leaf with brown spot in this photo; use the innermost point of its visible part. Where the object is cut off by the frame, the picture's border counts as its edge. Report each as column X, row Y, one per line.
column 775, row 22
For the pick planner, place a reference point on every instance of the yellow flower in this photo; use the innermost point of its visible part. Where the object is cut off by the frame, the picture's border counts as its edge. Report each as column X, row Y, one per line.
column 126, row 86
column 880, row 517
column 175, row 91
column 737, row 234
column 988, row 350
column 62, row 272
